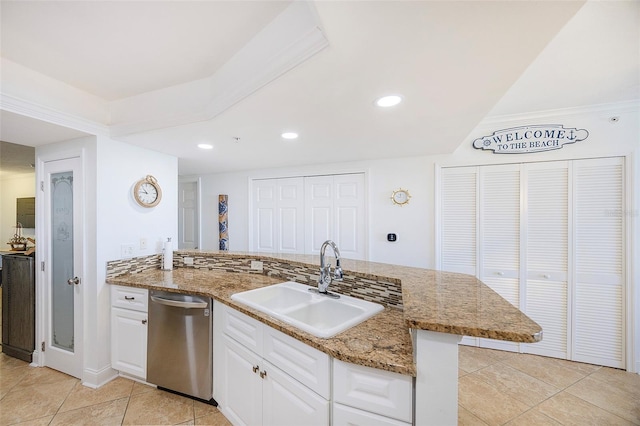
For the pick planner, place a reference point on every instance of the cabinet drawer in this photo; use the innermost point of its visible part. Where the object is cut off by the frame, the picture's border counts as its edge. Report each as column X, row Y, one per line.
column 378, row 391
column 242, row 328
column 130, row 298
column 302, row 362
column 343, row 415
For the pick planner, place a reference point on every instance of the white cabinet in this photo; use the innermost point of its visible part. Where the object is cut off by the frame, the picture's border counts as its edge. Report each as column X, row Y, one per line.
column 364, row 395
column 129, row 330
column 262, row 376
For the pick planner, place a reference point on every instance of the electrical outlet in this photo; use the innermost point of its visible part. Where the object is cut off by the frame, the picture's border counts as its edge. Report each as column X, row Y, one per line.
column 256, row 265
column 126, row 251
column 187, row 260
column 143, row 243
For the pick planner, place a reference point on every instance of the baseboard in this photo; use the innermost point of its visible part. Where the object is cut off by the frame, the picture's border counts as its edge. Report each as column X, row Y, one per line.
column 96, row 378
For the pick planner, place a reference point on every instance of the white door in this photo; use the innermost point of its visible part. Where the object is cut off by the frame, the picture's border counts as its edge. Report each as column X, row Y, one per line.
column 278, row 215
column 290, row 215
column 459, row 224
column 188, row 217
column 335, row 210
column 599, row 222
column 64, row 287
column 499, row 237
column 546, row 255
column 318, row 195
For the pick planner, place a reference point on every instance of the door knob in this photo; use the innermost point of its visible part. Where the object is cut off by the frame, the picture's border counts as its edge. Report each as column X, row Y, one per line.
column 74, row 280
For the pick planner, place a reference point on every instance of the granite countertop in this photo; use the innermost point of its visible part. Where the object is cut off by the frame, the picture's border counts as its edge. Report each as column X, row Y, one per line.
column 375, row 342
column 432, row 300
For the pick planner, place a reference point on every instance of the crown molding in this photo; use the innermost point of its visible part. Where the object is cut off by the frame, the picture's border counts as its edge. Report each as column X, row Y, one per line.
column 289, row 40
column 29, row 109
column 622, row 107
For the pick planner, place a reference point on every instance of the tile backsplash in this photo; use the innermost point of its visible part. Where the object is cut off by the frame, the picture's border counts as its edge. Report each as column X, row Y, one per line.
column 385, row 291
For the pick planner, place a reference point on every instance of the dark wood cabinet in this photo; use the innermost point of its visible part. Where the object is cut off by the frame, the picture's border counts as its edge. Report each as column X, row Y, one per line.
column 18, row 306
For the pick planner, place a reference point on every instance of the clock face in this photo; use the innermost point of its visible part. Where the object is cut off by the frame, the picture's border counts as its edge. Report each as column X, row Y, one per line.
column 147, row 192
column 401, row 197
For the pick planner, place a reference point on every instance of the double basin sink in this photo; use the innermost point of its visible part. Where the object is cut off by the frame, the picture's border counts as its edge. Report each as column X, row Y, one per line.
column 296, row 304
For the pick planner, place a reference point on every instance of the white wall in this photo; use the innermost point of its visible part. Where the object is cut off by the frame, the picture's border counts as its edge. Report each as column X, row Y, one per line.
column 384, row 217
column 17, row 186
column 112, row 218
column 120, row 220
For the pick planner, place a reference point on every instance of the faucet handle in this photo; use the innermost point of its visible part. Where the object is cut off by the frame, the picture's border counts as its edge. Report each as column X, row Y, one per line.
column 337, row 273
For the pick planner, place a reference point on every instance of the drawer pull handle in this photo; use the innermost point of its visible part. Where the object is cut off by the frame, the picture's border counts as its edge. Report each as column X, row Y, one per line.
column 547, row 276
column 129, row 298
column 144, row 321
column 263, row 374
column 255, row 368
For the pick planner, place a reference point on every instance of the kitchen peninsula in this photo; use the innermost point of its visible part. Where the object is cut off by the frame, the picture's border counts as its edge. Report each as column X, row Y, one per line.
column 427, row 313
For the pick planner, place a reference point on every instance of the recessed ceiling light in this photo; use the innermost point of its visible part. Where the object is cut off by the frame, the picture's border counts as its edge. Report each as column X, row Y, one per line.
column 388, row 101
column 289, row 135
column 205, row 146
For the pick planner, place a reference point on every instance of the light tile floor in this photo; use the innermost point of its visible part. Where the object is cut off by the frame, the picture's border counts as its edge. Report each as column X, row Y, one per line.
column 495, row 388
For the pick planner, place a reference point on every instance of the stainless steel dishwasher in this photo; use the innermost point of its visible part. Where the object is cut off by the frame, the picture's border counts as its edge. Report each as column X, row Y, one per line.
column 179, row 345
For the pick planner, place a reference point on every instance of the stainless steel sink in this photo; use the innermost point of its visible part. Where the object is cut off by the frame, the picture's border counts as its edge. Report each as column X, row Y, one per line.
column 316, row 314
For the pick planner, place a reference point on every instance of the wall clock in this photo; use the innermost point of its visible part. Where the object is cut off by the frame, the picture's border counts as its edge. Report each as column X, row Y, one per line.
column 147, row 192
column 400, row 197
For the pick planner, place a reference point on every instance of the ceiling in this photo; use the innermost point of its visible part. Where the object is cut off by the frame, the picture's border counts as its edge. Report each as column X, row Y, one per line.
column 454, row 63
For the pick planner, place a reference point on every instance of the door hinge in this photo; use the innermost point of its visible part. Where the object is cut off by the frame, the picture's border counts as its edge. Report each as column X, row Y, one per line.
column 42, row 185
column 42, row 266
column 42, row 347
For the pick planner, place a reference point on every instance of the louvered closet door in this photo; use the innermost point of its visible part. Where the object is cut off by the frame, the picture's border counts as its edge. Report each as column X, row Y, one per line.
column 499, row 237
column 458, row 213
column 599, row 268
column 546, row 231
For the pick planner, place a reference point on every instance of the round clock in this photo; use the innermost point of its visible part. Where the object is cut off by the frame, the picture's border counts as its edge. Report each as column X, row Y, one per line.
column 147, row 192
column 400, row 197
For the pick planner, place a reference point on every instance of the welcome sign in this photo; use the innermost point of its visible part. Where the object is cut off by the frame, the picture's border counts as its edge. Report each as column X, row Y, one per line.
column 525, row 139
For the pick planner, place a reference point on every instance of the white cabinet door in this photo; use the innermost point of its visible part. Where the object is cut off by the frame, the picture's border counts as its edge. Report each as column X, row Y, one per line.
column 129, row 342
column 598, row 304
column 546, row 251
column 240, row 384
column 348, row 416
column 288, row 402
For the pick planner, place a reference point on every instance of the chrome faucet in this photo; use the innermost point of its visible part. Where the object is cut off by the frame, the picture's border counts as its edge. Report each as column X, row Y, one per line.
column 325, row 268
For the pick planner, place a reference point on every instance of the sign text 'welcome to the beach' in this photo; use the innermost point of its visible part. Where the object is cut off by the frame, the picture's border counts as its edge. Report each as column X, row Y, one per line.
column 525, row 139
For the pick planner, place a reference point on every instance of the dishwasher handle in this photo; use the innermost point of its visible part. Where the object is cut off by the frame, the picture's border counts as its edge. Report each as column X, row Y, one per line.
column 179, row 303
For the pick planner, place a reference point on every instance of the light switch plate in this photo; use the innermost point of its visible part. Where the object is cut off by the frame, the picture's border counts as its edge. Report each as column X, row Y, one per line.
column 256, row 265
column 143, row 243
column 126, row 251
column 187, row 260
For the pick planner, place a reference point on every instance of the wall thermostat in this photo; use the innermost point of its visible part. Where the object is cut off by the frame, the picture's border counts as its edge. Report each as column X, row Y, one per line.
column 392, row 237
